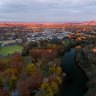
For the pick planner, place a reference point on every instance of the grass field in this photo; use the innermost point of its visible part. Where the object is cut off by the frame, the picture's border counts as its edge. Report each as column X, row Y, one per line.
column 10, row 49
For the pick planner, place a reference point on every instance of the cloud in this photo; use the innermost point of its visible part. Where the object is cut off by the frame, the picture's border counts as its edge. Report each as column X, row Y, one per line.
column 47, row 10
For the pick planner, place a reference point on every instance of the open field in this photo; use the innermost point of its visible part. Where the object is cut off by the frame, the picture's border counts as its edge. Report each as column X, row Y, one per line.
column 10, row 49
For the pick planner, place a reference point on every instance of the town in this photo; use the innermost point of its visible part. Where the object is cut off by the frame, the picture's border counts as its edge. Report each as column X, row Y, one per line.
column 18, row 34
column 35, row 59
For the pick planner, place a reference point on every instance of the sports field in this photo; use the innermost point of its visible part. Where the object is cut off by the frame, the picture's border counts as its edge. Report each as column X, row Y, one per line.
column 10, row 49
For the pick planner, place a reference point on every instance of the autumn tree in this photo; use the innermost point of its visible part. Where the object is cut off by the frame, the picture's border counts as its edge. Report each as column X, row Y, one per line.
column 52, row 78
column 13, row 81
column 34, row 81
column 10, row 77
column 3, row 64
column 58, row 80
column 23, row 88
column 58, row 70
column 54, row 87
column 46, row 89
column 1, row 92
column 52, row 69
column 4, row 93
column 16, row 62
column 30, row 68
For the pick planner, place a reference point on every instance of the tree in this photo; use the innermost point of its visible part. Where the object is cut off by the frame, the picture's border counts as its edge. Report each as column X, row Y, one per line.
column 3, row 65
column 43, row 43
column 1, row 92
column 32, row 44
column 4, row 93
column 23, row 88
column 46, row 89
column 54, row 87
column 58, row 80
column 1, row 84
column 52, row 69
column 52, row 79
column 9, row 72
column 10, row 77
column 58, row 70
column 30, row 68
column 16, row 62
column 12, row 82
column 34, row 81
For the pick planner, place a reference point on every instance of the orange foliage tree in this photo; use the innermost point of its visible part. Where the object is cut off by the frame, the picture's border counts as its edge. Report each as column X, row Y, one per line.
column 16, row 62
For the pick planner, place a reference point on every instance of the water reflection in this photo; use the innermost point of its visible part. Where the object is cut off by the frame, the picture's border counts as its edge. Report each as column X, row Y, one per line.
column 76, row 86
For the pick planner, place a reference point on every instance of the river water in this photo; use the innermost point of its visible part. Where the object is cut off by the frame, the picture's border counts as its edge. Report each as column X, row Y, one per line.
column 78, row 79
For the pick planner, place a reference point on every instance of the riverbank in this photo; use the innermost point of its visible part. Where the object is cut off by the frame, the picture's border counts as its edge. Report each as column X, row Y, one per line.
column 91, row 73
column 87, row 62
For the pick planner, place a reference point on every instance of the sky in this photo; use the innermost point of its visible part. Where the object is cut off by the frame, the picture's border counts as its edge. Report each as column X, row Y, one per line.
column 47, row 10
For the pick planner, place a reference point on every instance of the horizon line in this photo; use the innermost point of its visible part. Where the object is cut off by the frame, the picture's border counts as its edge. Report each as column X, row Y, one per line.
column 45, row 22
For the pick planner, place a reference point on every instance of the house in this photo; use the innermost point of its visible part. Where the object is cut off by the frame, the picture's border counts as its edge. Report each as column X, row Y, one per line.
column 8, row 42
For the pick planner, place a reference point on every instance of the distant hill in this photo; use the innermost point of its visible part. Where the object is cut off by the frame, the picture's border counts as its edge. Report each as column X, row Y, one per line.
column 92, row 23
column 45, row 24
column 89, row 23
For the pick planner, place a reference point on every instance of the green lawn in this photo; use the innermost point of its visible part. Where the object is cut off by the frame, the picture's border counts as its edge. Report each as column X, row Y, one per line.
column 10, row 49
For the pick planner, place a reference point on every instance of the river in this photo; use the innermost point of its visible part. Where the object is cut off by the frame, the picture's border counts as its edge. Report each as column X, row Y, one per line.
column 78, row 79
